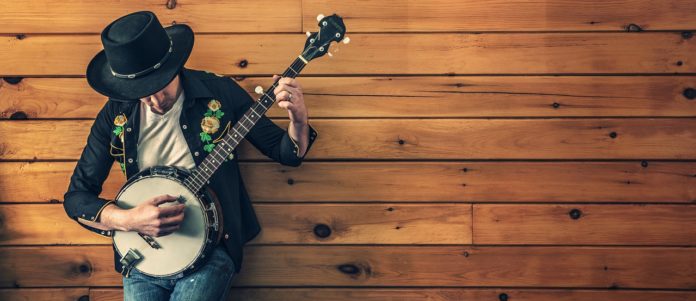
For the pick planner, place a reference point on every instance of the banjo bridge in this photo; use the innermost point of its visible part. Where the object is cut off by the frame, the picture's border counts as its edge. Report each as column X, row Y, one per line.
column 150, row 241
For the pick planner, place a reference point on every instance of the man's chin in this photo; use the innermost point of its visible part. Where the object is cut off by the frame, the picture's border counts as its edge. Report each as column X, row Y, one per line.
column 153, row 110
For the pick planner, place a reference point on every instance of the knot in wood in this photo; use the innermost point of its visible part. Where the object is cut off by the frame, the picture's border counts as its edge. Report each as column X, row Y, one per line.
column 322, row 230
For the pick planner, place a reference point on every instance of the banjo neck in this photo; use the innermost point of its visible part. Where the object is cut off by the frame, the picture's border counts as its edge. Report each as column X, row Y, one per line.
column 204, row 171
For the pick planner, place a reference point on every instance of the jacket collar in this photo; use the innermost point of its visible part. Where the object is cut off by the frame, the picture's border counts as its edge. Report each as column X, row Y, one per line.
column 193, row 87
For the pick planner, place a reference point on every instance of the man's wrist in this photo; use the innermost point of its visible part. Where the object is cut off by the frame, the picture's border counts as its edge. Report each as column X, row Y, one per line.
column 114, row 217
column 300, row 124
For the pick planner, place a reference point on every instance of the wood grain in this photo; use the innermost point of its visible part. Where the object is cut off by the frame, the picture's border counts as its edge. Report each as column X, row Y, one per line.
column 416, row 266
column 370, row 54
column 418, row 96
column 584, row 224
column 645, row 181
column 46, row 182
column 606, row 138
column 34, row 224
column 430, row 294
column 508, row 16
column 360, row 16
column 29, row 16
column 52, row 294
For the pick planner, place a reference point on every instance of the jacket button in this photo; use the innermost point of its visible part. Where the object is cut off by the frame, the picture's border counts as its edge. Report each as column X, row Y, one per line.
column 195, row 154
column 130, row 160
column 128, row 130
column 184, row 127
column 227, row 236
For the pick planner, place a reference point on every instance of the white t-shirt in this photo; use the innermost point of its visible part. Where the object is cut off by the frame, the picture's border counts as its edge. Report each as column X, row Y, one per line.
column 161, row 141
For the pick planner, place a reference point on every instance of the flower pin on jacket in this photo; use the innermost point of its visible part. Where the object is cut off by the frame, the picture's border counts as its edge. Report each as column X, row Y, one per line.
column 211, row 124
column 119, row 122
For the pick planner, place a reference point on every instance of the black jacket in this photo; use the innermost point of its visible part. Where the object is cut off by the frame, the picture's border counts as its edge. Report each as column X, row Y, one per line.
column 104, row 146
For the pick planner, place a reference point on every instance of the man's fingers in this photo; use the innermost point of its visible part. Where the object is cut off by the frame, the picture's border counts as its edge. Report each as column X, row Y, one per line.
column 286, row 80
column 165, row 231
column 172, row 221
column 280, row 88
column 171, row 210
column 285, row 104
column 161, row 199
column 283, row 96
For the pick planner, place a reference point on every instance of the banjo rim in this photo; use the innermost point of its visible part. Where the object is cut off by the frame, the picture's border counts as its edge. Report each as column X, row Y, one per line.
column 205, row 194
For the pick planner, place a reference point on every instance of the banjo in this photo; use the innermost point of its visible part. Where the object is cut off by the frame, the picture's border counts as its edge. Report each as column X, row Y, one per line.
column 183, row 251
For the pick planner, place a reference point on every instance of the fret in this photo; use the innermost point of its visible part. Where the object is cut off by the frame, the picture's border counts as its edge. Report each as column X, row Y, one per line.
column 234, row 128
column 202, row 173
column 293, row 70
column 230, row 137
column 252, row 121
column 254, row 110
column 242, row 125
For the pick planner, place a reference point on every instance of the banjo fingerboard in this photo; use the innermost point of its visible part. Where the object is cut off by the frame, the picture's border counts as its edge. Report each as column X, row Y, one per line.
column 202, row 173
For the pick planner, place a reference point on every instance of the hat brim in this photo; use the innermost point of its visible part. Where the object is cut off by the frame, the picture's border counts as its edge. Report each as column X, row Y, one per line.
column 101, row 80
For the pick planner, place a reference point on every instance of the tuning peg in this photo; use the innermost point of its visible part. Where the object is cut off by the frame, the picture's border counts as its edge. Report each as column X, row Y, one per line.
column 319, row 17
column 346, row 40
column 308, row 33
column 258, row 90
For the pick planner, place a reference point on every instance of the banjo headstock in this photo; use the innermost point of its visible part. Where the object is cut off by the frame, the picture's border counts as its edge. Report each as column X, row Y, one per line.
column 331, row 29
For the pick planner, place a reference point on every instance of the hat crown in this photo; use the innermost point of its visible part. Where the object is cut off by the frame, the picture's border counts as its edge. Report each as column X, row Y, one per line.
column 135, row 42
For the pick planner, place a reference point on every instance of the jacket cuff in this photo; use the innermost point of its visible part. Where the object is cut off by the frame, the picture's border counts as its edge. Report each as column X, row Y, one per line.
column 90, row 211
column 291, row 149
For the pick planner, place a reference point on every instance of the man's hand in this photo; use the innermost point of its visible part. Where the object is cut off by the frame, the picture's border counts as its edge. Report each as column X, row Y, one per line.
column 147, row 218
column 295, row 105
column 299, row 124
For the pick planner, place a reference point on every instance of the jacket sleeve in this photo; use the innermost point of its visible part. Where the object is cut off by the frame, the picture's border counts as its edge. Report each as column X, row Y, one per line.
column 266, row 136
column 81, row 200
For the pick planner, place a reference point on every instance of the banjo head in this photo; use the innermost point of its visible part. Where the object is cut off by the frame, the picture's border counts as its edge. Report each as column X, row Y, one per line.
column 178, row 251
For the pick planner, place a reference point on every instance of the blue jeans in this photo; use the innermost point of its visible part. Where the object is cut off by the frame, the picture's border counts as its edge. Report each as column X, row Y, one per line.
column 209, row 282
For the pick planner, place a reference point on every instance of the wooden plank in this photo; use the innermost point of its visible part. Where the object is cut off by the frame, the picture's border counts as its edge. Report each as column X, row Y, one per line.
column 53, row 179
column 451, row 96
column 28, row 16
column 431, row 294
column 25, row 267
column 447, row 53
column 595, row 138
column 492, row 15
column 34, row 224
column 416, row 266
column 52, row 294
column 406, row 181
column 584, row 224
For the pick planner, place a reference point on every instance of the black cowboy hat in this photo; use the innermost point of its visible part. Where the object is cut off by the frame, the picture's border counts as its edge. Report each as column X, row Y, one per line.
column 140, row 57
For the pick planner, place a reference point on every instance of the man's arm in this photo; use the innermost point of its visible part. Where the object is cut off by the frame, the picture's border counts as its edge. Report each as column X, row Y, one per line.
column 82, row 202
column 269, row 138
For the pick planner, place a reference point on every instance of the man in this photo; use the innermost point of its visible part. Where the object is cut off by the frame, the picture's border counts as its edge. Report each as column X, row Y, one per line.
column 158, row 114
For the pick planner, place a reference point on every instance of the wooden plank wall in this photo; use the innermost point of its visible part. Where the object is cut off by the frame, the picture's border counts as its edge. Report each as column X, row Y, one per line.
column 469, row 150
